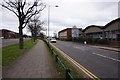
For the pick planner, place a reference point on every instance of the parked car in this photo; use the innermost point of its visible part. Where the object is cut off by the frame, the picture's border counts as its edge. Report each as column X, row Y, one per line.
column 53, row 40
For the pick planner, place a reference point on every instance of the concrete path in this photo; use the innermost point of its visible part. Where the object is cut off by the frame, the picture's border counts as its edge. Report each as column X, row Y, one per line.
column 36, row 63
column 108, row 48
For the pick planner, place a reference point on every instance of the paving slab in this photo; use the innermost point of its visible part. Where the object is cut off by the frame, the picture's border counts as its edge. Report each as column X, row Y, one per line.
column 36, row 63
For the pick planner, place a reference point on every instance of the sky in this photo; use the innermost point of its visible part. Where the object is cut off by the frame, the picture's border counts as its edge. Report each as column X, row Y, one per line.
column 81, row 13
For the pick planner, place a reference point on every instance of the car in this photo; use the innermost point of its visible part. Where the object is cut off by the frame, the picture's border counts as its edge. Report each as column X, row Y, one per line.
column 53, row 41
column 1, row 37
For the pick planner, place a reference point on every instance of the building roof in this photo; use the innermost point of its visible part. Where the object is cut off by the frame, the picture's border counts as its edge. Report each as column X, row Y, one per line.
column 80, row 29
column 113, row 21
column 92, row 26
column 64, row 30
column 8, row 30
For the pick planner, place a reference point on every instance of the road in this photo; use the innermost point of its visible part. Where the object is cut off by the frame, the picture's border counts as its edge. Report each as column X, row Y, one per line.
column 6, row 42
column 102, row 63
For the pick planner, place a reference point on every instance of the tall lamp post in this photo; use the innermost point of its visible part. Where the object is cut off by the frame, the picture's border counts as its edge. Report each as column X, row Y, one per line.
column 49, row 18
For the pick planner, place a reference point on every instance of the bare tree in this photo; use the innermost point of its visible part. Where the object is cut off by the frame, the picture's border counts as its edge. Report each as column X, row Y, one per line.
column 35, row 27
column 24, row 11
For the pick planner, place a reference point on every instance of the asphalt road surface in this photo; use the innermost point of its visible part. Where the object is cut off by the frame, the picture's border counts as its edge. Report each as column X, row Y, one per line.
column 6, row 42
column 102, row 63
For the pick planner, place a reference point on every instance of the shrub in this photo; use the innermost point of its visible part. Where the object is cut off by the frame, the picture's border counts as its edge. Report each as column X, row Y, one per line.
column 81, row 39
column 89, row 40
column 102, row 41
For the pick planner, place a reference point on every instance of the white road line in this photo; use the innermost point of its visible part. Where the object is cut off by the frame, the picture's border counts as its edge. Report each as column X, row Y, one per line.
column 91, row 75
column 106, row 57
column 98, row 54
column 79, row 48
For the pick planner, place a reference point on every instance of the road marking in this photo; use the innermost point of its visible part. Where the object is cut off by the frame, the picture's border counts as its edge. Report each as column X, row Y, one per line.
column 79, row 48
column 90, row 74
column 99, row 54
column 106, row 57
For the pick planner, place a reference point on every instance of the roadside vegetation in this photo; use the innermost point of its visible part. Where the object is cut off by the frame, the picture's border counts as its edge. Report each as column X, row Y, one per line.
column 61, row 71
column 97, row 41
column 75, row 73
column 11, row 52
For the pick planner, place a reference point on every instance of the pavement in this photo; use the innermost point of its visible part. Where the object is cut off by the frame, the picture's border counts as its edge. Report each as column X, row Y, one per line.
column 36, row 63
column 108, row 48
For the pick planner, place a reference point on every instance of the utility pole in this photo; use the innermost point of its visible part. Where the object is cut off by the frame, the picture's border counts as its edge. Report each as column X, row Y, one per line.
column 49, row 18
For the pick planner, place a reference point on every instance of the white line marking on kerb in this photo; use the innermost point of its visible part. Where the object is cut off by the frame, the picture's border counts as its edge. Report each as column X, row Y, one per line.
column 106, row 57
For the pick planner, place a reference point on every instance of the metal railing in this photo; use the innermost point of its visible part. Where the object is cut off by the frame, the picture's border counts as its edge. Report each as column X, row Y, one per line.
column 68, row 74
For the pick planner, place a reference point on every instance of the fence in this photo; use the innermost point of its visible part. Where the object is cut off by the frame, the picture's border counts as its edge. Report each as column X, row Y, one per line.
column 68, row 74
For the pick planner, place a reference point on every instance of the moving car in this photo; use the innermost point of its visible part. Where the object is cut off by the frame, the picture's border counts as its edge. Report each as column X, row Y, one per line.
column 53, row 40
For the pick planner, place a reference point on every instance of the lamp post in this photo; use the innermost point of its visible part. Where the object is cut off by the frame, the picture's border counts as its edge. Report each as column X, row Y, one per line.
column 49, row 18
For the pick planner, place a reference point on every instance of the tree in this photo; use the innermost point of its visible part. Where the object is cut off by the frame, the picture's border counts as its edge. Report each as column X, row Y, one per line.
column 35, row 27
column 24, row 11
column 41, row 35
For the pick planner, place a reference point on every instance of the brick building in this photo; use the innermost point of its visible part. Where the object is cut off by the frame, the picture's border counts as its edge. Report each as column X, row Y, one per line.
column 65, row 34
column 7, row 34
column 69, row 33
column 111, row 32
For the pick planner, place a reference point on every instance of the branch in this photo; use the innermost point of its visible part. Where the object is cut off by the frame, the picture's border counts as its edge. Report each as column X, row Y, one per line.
column 11, row 4
column 30, row 9
column 10, row 10
column 24, row 3
column 22, row 8
column 28, row 19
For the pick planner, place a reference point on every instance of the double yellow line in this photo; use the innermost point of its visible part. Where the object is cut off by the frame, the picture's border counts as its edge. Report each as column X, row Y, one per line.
column 91, row 75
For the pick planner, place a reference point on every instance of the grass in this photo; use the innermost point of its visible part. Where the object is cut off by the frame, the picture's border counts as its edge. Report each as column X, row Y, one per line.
column 11, row 52
column 61, row 71
column 68, row 65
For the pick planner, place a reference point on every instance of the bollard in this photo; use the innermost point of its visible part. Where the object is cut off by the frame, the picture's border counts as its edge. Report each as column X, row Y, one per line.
column 56, row 58
column 52, row 50
column 48, row 44
column 67, row 75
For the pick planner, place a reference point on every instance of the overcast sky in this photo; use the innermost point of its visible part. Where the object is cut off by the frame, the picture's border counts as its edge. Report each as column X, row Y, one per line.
column 81, row 13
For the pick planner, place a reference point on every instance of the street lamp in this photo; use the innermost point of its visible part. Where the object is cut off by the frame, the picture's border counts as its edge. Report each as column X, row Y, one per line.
column 49, row 18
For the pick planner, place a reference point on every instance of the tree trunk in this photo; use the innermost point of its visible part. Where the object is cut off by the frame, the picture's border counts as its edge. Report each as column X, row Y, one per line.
column 21, row 43
column 34, row 37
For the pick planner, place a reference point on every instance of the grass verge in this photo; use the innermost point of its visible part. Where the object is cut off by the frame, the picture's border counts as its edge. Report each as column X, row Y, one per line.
column 61, row 71
column 10, row 53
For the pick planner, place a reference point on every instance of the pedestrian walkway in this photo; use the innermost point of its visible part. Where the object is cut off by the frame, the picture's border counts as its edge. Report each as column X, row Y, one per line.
column 108, row 48
column 36, row 63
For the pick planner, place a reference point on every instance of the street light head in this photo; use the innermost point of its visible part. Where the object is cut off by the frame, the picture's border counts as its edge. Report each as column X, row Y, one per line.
column 56, row 6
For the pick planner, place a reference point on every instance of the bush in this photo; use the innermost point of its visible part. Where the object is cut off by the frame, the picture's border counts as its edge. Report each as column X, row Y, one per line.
column 81, row 40
column 102, row 41
column 89, row 40
column 95, row 40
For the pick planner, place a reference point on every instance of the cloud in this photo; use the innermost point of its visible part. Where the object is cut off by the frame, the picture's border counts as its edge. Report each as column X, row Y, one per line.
column 81, row 13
